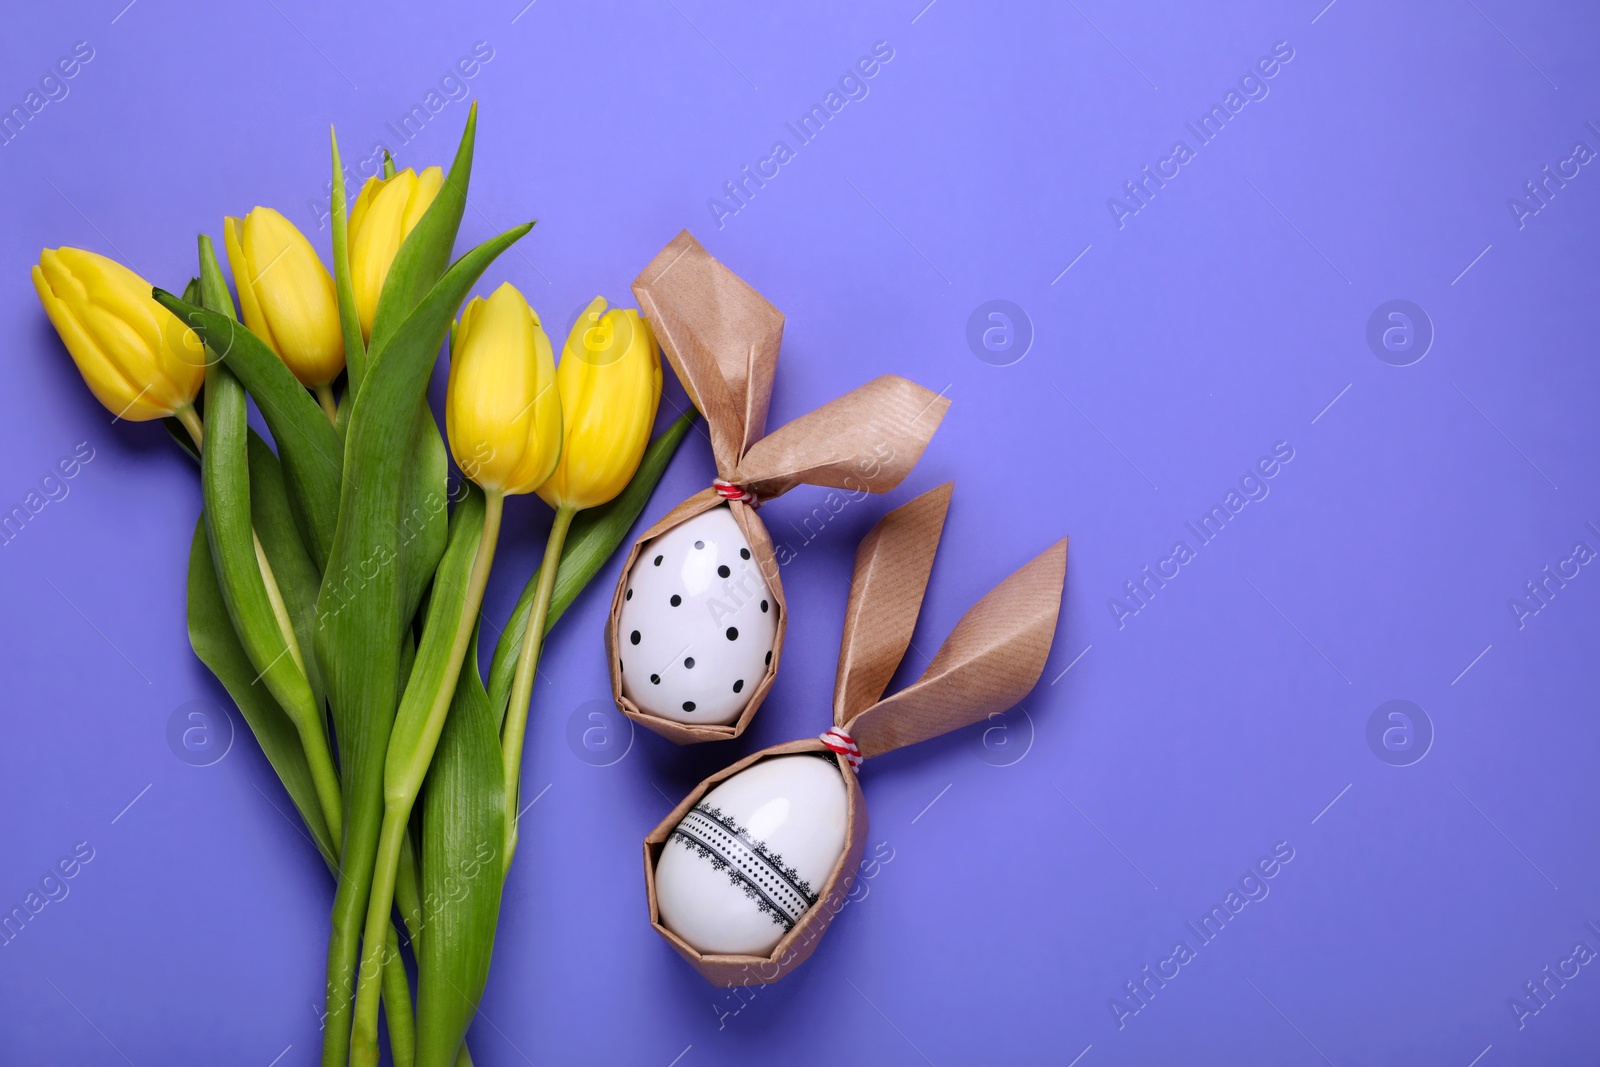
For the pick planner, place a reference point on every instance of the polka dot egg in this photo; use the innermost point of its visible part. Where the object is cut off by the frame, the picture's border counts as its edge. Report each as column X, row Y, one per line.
column 698, row 623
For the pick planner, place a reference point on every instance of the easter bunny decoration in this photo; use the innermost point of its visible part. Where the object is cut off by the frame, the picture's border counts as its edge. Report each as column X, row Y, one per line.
column 745, row 875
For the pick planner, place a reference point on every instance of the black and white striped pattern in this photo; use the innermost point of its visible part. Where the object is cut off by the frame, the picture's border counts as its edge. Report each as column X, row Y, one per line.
column 776, row 888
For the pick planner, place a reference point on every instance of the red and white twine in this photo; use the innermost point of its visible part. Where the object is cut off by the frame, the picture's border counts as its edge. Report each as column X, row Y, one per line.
column 729, row 491
column 842, row 743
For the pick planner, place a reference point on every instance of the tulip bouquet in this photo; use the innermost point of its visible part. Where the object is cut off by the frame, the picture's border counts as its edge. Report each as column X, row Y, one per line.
column 334, row 590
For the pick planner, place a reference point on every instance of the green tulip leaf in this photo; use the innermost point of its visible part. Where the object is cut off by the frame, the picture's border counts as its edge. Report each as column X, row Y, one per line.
column 212, row 635
column 297, row 577
column 424, row 512
column 463, row 829
column 355, row 352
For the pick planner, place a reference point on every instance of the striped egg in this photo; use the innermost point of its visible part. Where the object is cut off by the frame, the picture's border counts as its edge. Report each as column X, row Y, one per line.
column 747, row 861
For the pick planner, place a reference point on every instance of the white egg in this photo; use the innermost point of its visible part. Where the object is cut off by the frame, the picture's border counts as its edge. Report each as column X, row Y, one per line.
column 751, row 857
column 698, row 623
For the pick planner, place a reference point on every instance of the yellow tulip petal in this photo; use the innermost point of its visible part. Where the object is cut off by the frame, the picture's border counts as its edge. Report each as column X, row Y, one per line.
column 383, row 217
column 544, row 431
column 427, row 187
column 296, row 296
column 374, row 244
column 502, row 413
column 117, row 309
column 610, row 384
column 132, row 353
column 358, row 210
column 105, row 379
column 254, row 318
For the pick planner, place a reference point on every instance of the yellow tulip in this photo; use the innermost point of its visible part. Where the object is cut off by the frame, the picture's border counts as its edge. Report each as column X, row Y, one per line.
column 138, row 359
column 609, row 381
column 610, row 384
column 287, row 295
column 381, row 218
column 502, row 412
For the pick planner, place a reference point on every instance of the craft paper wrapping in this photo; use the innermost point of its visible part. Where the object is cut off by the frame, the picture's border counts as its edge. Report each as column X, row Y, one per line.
column 992, row 658
column 722, row 339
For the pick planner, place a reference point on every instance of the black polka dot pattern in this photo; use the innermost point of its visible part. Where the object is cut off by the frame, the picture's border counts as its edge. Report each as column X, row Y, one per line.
column 702, row 621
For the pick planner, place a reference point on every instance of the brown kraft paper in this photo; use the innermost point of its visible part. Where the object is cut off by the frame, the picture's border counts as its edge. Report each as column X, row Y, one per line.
column 992, row 658
column 722, row 339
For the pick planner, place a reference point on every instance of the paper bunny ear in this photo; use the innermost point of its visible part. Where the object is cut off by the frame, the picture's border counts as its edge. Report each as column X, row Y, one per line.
column 721, row 337
column 991, row 660
column 868, row 439
column 891, row 574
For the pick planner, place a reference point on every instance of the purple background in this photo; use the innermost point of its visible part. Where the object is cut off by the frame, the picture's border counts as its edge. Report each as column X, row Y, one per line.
column 1228, row 715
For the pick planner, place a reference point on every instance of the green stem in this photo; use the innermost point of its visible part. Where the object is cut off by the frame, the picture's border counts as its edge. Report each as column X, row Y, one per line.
column 396, row 985
column 364, row 1036
column 324, row 776
column 402, row 796
column 330, row 406
column 515, row 730
column 397, row 1004
column 191, row 422
column 344, row 943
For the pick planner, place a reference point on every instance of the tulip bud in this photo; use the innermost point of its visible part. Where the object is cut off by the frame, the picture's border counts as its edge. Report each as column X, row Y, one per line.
column 287, row 294
column 610, row 384
column 138, row 359
column 503, row 413
column 381, row 218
